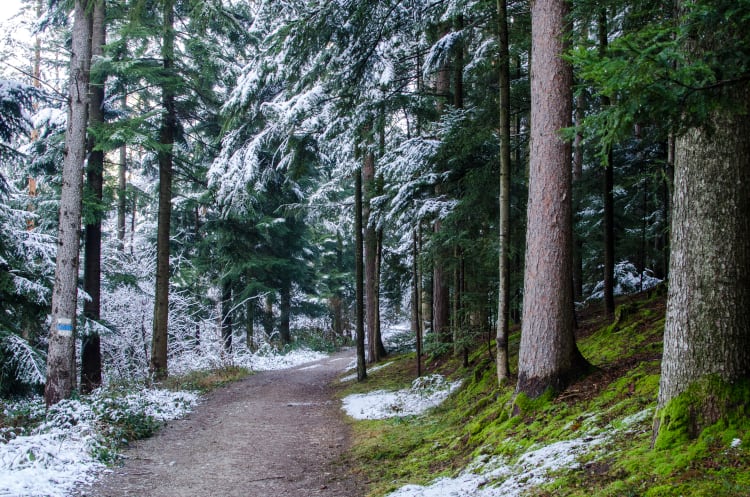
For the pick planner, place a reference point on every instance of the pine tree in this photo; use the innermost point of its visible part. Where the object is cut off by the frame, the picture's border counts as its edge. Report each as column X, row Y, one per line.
column 548, row 357
column 61, row 365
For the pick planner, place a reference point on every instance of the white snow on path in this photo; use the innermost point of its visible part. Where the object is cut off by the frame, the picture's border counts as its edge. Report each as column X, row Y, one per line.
column 271, row 361
column 59, row 454
column 425, row 392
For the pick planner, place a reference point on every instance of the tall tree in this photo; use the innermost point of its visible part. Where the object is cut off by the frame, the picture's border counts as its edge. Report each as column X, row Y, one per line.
column 608, row 224
column 503, row 311
column 359, row 277
column 548, row 356
column 91, row 356
column 707, row 331
column 158, row 365
column 61, row 364
column 372, row 287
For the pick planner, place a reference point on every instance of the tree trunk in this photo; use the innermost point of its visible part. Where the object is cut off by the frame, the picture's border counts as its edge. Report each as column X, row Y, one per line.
column 249, row 324
column 359, row 277
column 440, row 297
column 61, row 364
column 285, row 311
column 707, row 335
column 608, row 223
column 503, row 309
column 548, row 357
column 416, row 315
column 580, row 114
column 370, row 248
column 122, row 169
column 91, row 356
column 158, row 366
column 268, row 316
column 226, row 317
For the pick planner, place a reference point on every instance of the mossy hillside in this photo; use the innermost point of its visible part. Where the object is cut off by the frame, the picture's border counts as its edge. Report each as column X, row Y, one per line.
column 618, row 398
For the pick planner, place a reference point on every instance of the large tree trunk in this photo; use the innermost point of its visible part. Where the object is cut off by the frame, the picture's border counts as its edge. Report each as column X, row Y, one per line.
column 359, row 277
column 707, row 330
column 503, row 309
column 61, row 364
column 548, row 356
column 158, row 364
column 91, row 355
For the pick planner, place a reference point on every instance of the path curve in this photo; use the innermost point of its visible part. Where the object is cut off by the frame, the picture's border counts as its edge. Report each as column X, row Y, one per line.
column 273, row 434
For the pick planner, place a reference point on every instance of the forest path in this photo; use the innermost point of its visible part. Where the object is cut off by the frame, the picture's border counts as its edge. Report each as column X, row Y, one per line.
column 273, row 434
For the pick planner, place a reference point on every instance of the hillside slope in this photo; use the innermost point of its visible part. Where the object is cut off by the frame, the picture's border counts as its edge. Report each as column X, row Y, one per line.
column 593, row 439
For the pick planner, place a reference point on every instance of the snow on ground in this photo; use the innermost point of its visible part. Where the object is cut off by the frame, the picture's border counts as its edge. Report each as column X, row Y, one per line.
column 424, row 393
column 498, row 476
column 60, row 453
column 267, row 359
column 351, row 377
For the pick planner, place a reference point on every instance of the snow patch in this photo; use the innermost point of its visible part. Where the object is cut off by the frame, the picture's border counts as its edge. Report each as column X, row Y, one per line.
column 59, row 454
column 351, row 377
column 267, row 359
column 424, row 393
column 497, row 477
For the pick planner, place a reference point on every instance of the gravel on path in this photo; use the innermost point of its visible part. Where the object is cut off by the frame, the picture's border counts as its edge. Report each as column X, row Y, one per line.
column 273, row 434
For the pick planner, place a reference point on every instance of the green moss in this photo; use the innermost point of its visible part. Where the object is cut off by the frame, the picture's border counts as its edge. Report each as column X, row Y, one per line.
column 707, row 407
column 484, row 419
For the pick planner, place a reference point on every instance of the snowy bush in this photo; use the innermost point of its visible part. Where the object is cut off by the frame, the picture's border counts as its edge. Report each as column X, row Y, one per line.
column 627, row 280
column 67, row 444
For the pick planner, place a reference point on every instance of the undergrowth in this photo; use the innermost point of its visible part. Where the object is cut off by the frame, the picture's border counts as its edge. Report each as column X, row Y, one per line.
column 205, row 381
column 616, row 401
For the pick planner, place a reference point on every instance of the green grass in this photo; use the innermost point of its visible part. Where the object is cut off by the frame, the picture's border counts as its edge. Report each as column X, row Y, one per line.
column 206, row 380
column 482, row 418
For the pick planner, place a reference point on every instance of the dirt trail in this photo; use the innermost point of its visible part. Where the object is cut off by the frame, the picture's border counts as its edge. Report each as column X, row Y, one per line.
column 274, row 434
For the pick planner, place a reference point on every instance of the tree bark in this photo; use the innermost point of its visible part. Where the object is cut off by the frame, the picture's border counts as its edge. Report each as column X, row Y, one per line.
column 249, row 324
column 608, row 223
column 61, row 364
column 370, row 248
column 359, row 277
column 122, row 169
column 707, row 331
column 416, row 304
column 268, row 316
column 91, row 356
column 548, row 357
column 226, row 317
column 158, row 366
column 285, row 311
column 503, row 310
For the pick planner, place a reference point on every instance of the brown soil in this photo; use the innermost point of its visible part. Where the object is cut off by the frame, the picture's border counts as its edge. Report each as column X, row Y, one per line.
column 274, row 434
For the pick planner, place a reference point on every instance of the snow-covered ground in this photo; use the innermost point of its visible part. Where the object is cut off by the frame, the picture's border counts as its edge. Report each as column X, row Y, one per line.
column 424, row 393
column 267, row 359
column 60, row 453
